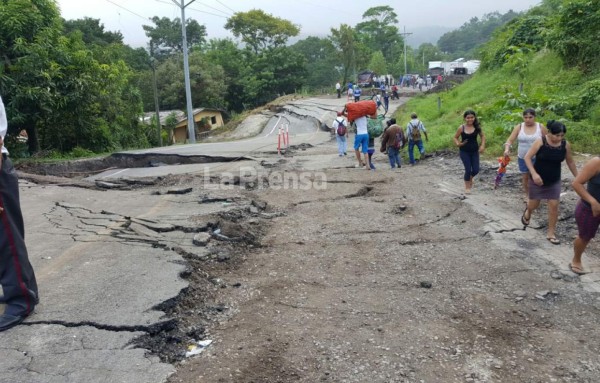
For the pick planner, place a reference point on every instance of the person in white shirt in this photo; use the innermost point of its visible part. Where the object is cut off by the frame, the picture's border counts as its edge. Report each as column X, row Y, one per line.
column 16, row 274
column 361, row 141
column 338, row 89
column 341, row 139
column 525, row 134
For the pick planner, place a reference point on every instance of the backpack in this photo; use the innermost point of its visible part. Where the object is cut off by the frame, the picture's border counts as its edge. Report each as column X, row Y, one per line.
column 341, row 128
column 375, row 126
column 415, row 132
column 399, row 141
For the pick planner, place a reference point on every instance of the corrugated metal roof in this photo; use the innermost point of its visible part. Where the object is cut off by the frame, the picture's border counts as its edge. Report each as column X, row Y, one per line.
column 179, row 115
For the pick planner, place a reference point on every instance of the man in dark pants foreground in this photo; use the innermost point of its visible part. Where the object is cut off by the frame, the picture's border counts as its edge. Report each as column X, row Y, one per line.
column 16, row 274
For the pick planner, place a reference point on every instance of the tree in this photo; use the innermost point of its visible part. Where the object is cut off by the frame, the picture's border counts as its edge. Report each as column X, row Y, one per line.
column 465, row 40
column 379, row 31
column 165, row 35
column 271, row 68
column 576, row 34
column 259, row 30
column 320, row 56
column 107, row 46
column 57, row 90
column 377, row 63
column 225, row 53
column 92, row 31
column 344, row 40
column 272, row 73
column 206, row 81
column 170, row 124
column 26, row 93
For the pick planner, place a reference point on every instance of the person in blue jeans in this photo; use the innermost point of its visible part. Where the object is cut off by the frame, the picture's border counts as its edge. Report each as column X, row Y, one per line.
column 469, row 148
column 392, row 141
column 357, row 93
column 341, row 139
column 414, row 132
column 386, row 101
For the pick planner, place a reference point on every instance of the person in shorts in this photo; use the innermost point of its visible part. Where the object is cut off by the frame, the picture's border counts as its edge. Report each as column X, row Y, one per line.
column 545, row 178
column 525, row 134
column 587, row 212
column 361, row 142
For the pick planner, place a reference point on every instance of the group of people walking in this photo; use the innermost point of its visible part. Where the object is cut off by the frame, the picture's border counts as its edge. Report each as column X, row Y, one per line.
column 394, row 138
column 541, row 150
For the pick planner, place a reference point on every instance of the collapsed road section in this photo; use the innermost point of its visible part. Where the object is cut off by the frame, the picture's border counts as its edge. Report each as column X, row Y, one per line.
column 128, row 276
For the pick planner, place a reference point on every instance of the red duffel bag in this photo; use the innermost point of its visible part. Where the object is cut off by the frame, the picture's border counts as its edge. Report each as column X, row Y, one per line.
column 361, row 109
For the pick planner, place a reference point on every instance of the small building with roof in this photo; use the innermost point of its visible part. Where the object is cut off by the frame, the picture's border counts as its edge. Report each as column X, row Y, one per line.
column 205, row 119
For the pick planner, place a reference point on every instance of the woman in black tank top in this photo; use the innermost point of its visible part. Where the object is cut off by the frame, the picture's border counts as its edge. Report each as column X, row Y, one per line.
column 549, row 152
column 469, row 148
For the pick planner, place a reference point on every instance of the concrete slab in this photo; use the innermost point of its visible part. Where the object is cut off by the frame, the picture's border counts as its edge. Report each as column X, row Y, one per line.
column 57, row 354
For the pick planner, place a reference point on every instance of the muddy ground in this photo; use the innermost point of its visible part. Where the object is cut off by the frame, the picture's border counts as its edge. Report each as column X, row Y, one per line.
column 378, row 276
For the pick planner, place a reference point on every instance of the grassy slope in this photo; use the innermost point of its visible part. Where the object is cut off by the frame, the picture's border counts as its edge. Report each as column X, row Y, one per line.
column 548, row 87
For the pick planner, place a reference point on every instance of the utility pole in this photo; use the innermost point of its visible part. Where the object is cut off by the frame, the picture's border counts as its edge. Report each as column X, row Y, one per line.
column 156, row 107
column 186, row 72
column 404, row 38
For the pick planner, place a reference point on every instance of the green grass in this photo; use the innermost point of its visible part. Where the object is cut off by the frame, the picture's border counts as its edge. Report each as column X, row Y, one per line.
column 555, row 92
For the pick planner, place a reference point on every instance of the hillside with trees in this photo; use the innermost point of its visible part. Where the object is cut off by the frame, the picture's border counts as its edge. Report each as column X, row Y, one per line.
column 464, row 41
column 76, row 88
column 543, row 59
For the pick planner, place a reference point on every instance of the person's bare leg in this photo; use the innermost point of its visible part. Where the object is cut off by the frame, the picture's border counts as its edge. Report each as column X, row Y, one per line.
column 578, row 248
column 552, row 218
column 468, row 186
column 532, row 204
column 367, row 162
column 526, row 185
column 358, row 157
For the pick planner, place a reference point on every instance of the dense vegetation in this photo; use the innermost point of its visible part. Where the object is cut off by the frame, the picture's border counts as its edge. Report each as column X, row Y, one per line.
column 550, row 53
column 464, row 41
column 76, row 88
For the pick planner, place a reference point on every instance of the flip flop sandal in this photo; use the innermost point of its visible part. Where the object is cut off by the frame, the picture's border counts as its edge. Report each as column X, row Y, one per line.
column 577, row 270
column 525, row 221
column 553, row 240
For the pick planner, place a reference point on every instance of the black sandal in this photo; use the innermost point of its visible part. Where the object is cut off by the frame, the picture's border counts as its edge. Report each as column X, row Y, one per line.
column 525, row 221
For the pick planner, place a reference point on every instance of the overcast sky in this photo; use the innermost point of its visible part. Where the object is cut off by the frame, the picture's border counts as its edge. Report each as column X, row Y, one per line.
column 315, row 17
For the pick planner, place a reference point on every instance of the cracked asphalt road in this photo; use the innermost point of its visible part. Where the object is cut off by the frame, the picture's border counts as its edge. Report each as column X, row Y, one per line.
column 111, row 263
column 384, row 276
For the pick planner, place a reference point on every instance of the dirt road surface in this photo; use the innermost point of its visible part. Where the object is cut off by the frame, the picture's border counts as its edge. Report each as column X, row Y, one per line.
column 395, row 276
column 302, row 268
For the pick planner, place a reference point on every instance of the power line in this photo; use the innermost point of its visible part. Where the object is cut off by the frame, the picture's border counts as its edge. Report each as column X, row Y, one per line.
column 208, row 13
column 132, row 12
column 193, row 9
column 226, row 6
column 216, row 9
